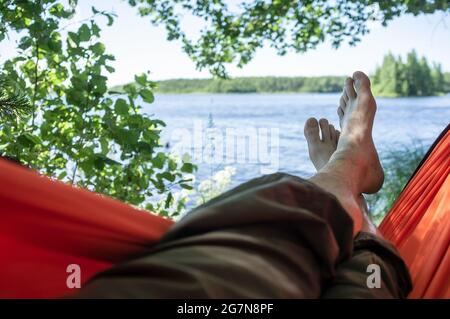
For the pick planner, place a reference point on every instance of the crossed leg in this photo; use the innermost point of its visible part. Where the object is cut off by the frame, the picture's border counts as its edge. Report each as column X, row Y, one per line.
column 347, row 162
column 328, row 150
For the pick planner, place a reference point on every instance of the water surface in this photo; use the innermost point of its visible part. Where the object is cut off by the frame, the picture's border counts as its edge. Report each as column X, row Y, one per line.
column 399, row 121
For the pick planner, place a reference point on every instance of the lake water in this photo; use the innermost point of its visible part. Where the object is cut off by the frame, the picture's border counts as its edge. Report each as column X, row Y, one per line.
column 277, row 122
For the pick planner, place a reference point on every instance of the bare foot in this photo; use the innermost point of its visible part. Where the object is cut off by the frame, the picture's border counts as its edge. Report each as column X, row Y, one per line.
column 320, row 149
column 354, row 167
column 356, row 113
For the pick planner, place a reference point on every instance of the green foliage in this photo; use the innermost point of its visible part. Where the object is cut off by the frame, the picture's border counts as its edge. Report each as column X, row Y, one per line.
column 414, row 77
column 399, row 164
column 323, row 84
column 12, row 103
column 75, row 130
column 232, row 33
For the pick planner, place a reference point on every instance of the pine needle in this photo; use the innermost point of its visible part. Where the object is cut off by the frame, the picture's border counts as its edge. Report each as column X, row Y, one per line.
column 13, row 104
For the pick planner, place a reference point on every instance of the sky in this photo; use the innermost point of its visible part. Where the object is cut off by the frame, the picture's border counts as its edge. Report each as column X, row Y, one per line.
column 139, row 46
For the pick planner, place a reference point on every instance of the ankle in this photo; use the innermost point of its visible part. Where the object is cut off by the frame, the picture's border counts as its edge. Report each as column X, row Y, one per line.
column 333, row 184
column 343, row 169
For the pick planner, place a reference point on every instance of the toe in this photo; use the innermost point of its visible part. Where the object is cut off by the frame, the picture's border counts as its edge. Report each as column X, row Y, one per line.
column 325, row 129
column 311, row 130
column 340, row 113
column 332, row 132
column 349, row 89
column 338, row 134
column 345, row 96
column 361, row 81
column 342, row 102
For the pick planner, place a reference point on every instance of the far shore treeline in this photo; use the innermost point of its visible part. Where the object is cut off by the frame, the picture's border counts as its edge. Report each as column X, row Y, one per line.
column 266, row 84
column 269, row 84
column 413, row 76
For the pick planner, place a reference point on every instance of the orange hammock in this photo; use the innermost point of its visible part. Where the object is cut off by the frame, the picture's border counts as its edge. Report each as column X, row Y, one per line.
column 419, row 223
column 46, row 225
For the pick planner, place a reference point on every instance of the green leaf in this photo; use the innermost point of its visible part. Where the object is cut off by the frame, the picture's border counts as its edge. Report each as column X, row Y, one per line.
column 110, row 69
column 130, row 89
column 149, row 207
column 168, row 201
column 115, row 92
column 101, row 160
column 28, row 139
column 104, row 145
column 128, row 137
column 159, row 122
column 159, row 160
column 56, row 10
column 187, row 168
column 62, row 175
column 167, row 176
column 172, row 165
column 99, row 82
column 110, row 19
column 84, row 33
column 98, row 48
column 95, row 30
column 73, row 39
column 151, row 135
column 25, row 43
column 121, row 107
column 147, row 96
column 141, row 79
column 110, row 161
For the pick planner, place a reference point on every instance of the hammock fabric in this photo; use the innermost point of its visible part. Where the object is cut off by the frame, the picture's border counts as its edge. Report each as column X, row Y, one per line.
column 419, row 223
column 47, row 225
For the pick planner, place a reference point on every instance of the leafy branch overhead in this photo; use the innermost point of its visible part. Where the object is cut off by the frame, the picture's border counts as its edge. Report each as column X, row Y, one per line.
column 233, row 33
column 71, row 127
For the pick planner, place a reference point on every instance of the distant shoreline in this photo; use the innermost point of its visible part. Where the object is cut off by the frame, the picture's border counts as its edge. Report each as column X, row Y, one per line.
column 288, row 93
column 252, row 85
column 267, row 84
